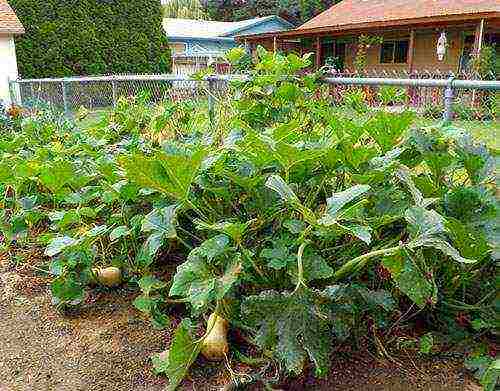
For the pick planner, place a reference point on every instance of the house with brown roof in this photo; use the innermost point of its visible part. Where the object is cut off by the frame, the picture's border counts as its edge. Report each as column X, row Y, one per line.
column 399, row 35
column 10, row 26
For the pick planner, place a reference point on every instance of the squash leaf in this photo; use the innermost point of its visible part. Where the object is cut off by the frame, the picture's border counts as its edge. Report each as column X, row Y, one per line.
column 410, row 280
column 200, row 281
column 183, row 351
column 296, row 325
column 171, row 174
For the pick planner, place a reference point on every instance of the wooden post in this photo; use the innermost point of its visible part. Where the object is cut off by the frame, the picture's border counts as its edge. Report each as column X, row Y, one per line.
column 478, row 38
column 411, row 51
column 275, row 44
column 318, row 52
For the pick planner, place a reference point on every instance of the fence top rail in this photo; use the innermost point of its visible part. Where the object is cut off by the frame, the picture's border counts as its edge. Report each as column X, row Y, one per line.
column 367, row 81
column 440, row 83
column 166, row 77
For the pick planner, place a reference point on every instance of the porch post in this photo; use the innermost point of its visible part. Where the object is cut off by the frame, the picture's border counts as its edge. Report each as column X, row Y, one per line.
column 411, row 51
column 318, row 52
column 275, row 44
column 478, row 38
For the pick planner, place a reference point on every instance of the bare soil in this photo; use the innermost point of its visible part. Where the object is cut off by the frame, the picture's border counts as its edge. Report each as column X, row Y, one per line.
column 107, row 345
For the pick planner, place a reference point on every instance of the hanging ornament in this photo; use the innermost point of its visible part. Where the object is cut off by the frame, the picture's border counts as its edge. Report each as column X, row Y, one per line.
column 441, row 46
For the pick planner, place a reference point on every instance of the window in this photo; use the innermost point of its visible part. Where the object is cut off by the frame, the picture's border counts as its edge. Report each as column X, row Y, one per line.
column 394, row 52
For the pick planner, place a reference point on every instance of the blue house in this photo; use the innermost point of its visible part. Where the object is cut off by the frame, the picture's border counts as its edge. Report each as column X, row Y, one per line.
column 196, row 43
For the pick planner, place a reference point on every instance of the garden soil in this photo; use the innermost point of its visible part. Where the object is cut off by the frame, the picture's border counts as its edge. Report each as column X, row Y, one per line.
column 107, row 345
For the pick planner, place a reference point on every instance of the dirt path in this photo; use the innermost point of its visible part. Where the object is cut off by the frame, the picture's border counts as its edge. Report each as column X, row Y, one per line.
column 107, row 345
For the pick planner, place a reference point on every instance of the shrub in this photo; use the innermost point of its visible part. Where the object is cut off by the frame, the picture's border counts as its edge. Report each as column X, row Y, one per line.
column 90, row 37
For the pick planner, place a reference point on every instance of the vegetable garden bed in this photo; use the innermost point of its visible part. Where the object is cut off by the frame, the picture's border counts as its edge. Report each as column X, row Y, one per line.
column 293, row 230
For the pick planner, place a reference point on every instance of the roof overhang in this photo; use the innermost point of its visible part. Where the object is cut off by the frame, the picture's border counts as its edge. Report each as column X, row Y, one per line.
column 9, row 31
column 258, row 23
column 204, row 39
column 427, row 22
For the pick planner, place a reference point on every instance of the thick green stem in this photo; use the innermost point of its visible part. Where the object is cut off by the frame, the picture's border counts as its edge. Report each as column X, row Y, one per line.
column 300, row 267
column 357, row 263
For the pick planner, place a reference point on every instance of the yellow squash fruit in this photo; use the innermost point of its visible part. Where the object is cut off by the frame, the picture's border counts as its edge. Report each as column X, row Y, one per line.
column 215, row 346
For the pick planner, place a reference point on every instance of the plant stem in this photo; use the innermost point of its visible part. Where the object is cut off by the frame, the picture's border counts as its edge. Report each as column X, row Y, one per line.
column 195, row 208
column 300, row 267
column 359, row 262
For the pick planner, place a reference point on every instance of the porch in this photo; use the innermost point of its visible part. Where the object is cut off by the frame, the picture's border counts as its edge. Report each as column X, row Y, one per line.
column 404, row 50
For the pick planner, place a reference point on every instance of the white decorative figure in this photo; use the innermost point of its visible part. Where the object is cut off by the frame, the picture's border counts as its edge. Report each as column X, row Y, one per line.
column 441, row 46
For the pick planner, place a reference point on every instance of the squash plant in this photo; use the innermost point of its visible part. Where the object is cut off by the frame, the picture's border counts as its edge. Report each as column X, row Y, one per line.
column 283, row 213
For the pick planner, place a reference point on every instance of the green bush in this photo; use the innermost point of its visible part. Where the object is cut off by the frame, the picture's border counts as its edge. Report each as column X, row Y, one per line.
column 90, row 37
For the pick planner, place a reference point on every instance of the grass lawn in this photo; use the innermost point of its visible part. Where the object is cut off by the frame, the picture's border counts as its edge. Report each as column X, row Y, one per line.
column 487, row 131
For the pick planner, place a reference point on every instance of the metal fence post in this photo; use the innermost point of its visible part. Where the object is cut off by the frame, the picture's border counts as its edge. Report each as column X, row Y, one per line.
column 211, row 101
column 448, row 101
column 65, row 97
column 12, row 94
column 115, row 92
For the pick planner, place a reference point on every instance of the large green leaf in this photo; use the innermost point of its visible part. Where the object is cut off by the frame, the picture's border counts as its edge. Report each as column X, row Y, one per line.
column 469, row 241
column 171, row 174
column 6, row 173
column 424, row 223
column 200, row 282
column 160, row 223
column 428, row 229
column 57, row 175
column 235, row 230
column 295, row 325
column 338, row 200
column 441, row 245
column 278, row 184
column 314, row 265
column 59, row 244
column 387, row 128
column 183, row 351
column 410, row 279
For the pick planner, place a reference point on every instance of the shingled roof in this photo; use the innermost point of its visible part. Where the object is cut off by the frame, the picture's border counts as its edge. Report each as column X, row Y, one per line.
column 9, row 23
column 351, row 13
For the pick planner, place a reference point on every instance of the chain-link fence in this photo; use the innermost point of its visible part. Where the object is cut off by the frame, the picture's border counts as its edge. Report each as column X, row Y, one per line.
column 431, row 95
column 101, row 93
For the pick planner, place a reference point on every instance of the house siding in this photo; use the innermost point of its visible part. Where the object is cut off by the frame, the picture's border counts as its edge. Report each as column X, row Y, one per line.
column 194, row 47
column 8, row 66
column 425, row 58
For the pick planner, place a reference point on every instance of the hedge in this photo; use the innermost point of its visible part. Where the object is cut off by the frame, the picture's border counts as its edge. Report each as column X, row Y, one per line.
column 90, row 37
